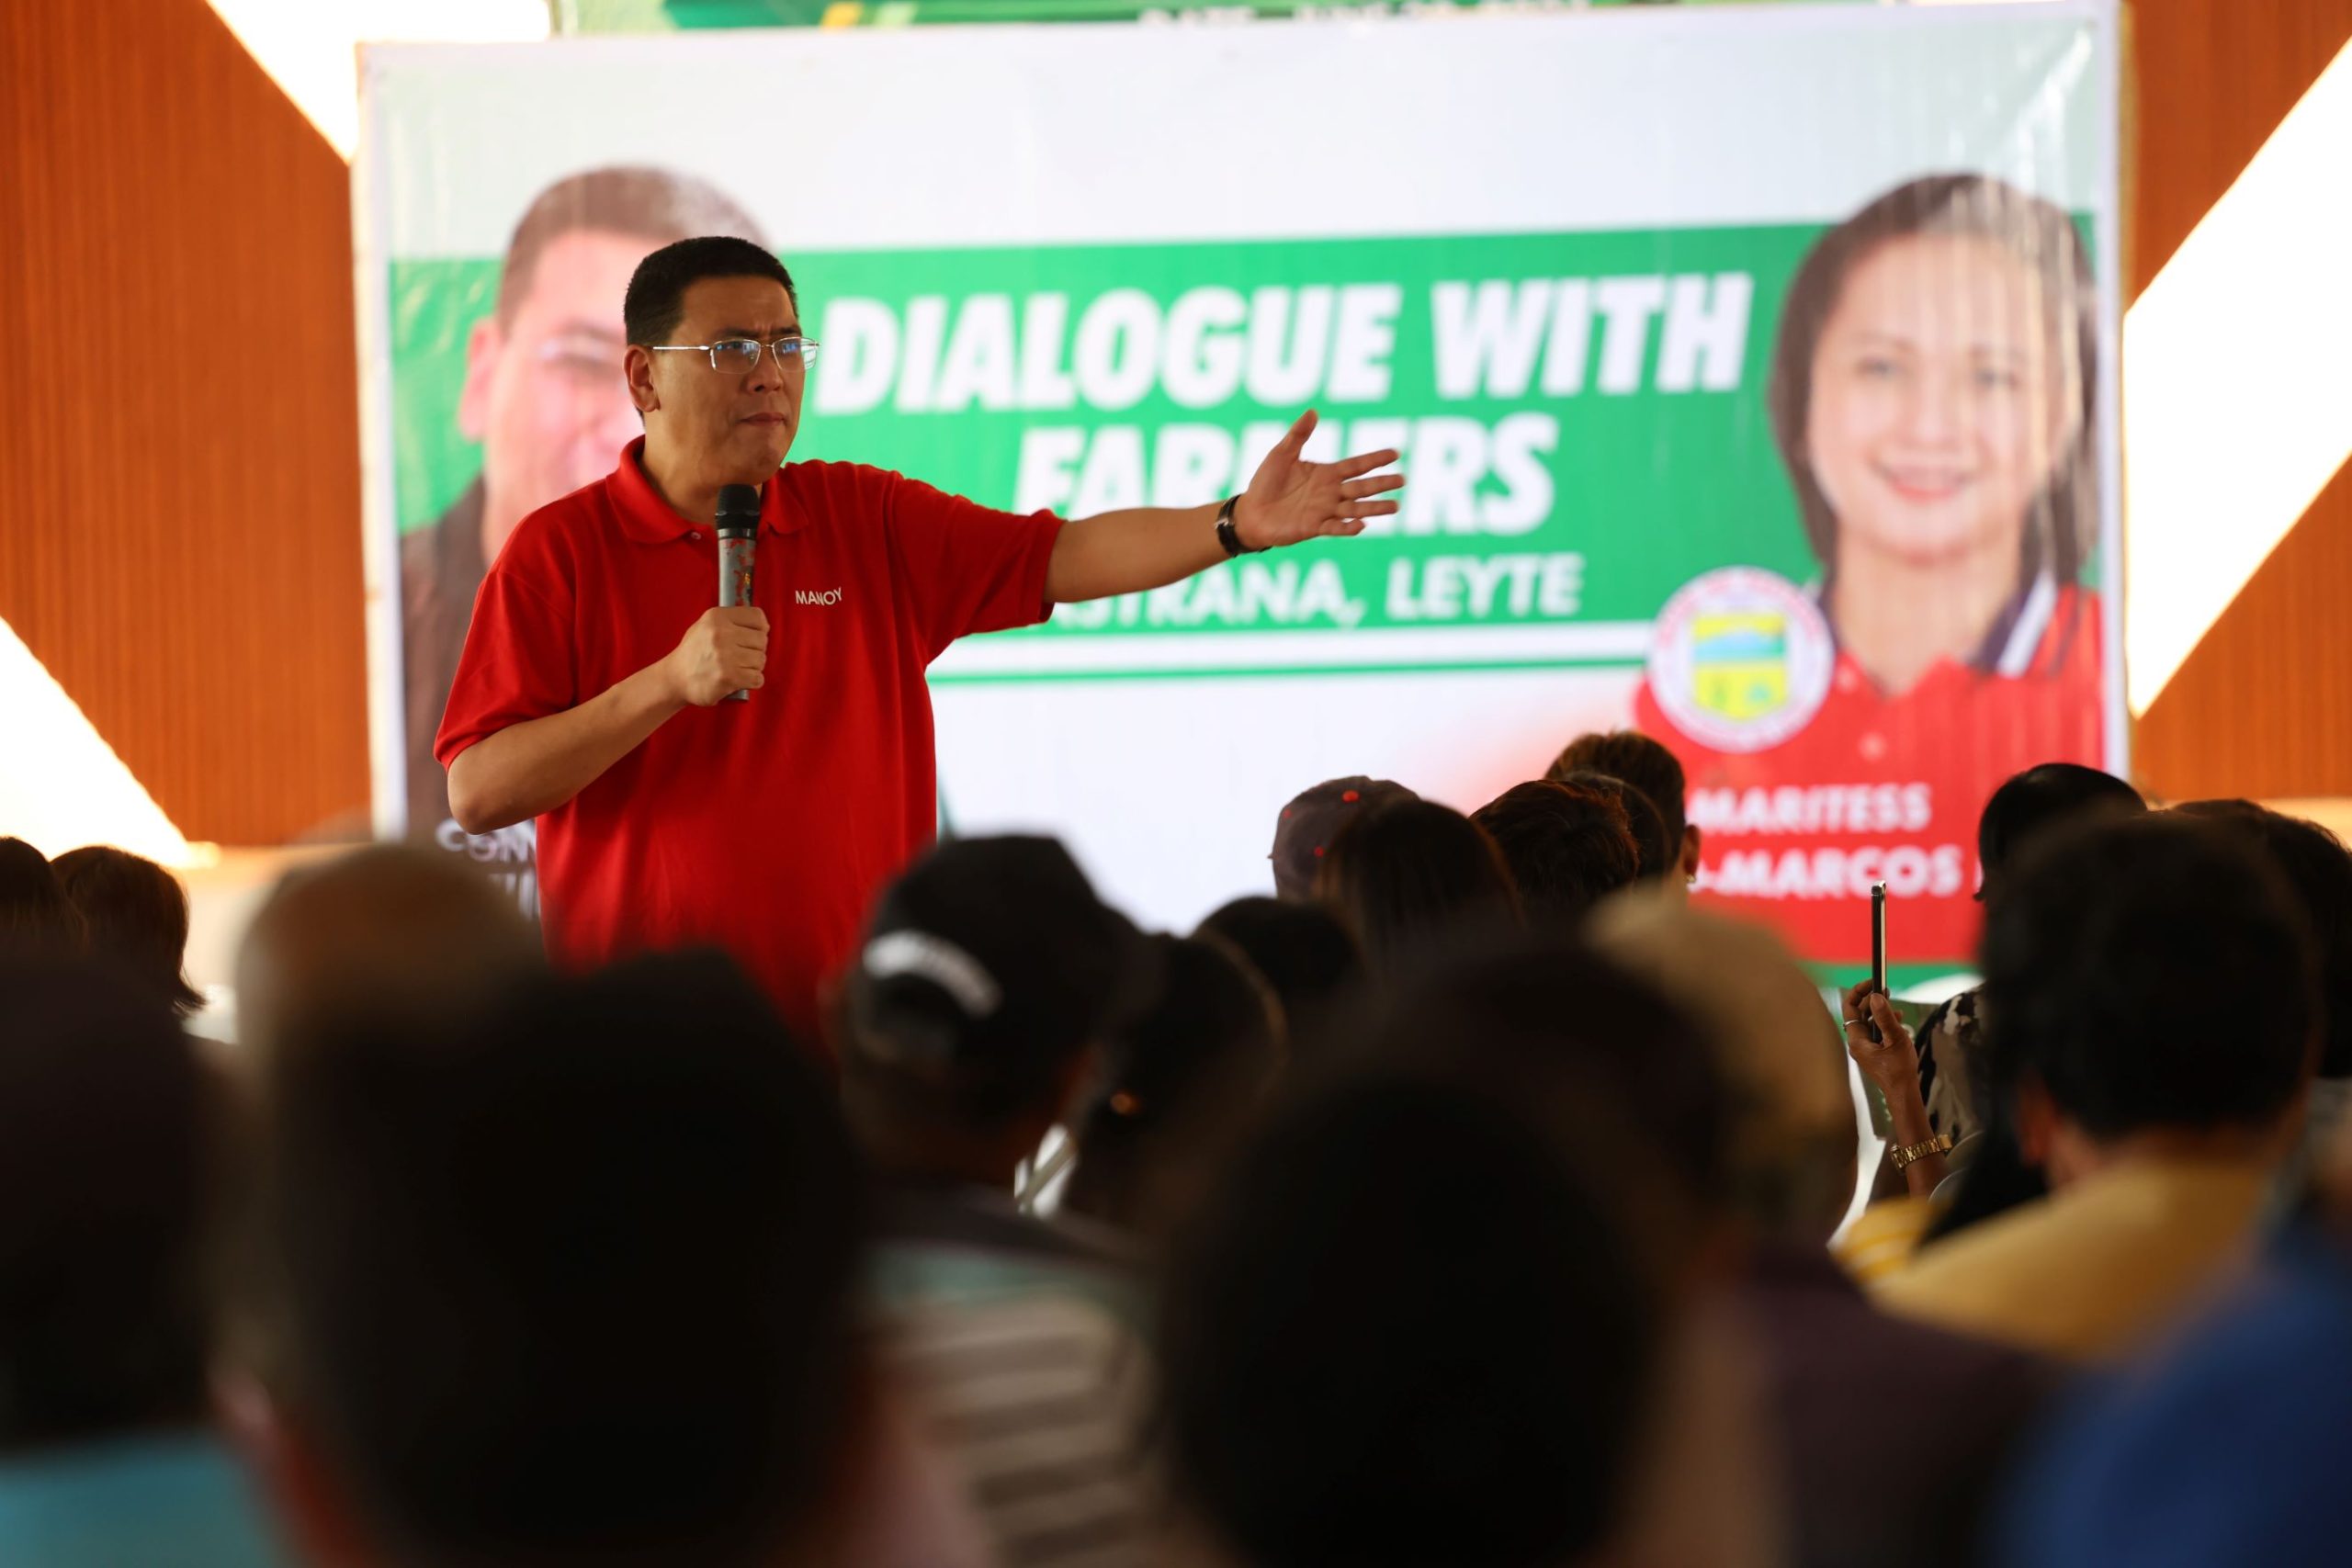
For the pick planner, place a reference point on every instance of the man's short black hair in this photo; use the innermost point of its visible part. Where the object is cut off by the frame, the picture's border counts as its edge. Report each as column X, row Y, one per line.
column 564, row 1276
column 1406, row 1331
column 2319, row 873
column 107, row 1128
column 1644, row 763
column 2150, row 972
column 1568, row 847
column 2032, row 802
column 656, row 301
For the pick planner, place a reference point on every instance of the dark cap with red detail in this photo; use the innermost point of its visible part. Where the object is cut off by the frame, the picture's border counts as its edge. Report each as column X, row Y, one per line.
column 1313, row 819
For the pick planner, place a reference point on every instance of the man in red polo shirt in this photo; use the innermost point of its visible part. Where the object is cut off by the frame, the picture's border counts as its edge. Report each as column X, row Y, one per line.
column 589, row 694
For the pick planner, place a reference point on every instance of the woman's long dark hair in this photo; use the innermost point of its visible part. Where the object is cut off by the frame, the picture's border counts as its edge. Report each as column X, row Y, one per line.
column 2062, row 522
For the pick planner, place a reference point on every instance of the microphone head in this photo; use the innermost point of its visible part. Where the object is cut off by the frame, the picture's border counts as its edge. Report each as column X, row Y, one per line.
column 738, row 509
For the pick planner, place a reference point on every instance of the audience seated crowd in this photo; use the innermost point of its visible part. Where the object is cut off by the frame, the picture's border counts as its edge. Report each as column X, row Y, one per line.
column 1473, row 1199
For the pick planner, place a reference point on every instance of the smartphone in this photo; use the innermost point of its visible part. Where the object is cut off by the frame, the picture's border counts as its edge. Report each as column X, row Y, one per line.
column 1878, row 942
column 1881, row 1118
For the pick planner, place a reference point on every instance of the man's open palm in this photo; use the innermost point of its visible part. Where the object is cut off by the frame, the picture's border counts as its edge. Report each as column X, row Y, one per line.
column 1290, row 499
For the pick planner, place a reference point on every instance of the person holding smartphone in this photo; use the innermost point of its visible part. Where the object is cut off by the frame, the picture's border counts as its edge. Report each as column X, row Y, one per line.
column 1882, row 1047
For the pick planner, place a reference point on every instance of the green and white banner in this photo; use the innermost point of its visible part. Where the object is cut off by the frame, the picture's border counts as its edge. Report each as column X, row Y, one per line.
column 1753, row 371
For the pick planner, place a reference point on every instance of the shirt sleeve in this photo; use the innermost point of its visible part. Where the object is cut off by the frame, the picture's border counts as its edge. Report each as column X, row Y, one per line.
column 517, row 662
column 969, row 568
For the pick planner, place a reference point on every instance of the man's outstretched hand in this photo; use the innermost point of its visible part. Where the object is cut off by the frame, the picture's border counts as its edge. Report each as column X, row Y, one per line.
column 1290, row 499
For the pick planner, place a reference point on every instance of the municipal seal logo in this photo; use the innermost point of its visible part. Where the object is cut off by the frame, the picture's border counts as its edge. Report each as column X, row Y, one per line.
column 1740, row 658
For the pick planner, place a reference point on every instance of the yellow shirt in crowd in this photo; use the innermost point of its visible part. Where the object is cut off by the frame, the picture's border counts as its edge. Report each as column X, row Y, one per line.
column 2092, row 1270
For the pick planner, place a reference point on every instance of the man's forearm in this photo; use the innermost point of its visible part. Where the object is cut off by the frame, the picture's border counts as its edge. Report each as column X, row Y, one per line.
column 1128, row 552
column 533, row 767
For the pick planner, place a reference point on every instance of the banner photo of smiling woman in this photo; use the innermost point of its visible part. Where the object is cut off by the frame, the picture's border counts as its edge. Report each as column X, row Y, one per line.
column 1932, row 396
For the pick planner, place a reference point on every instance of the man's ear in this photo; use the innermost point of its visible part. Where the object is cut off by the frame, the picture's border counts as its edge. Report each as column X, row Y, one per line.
column 637, row 365
column 308, row 1506
column 485, row 346
column 1690, row 851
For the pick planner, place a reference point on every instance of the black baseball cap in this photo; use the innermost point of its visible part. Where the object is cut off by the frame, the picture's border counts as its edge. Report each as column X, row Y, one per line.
column 1313, row 819
column 992, row 961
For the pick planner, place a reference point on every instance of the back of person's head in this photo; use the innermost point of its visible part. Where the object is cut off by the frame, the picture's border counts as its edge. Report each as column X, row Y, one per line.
column 1312, row 818
column 1405, row 1330
column 138, row 917
column 1542, row 1018
column 2149, row 972
column 108, row 1129
column 990, row 970
column 388, row 920
column 1568, row 846
column 1181, row 1079
column 1644, row 763
column 563, row 1275
column 37, row 920
column 1411, row 877
column 2030, row 804
column 1303, row 951
column 1791, row 1139
column 1653, row 850
column 2319, row 873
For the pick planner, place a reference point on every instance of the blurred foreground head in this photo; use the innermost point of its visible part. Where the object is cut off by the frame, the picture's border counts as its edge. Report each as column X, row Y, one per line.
column 2145, row 974
column 37, row 920
column 1179, row 1081
column 1303, row 951
column 390, row 921
column 991, row 973
column 1791, row 1135
column 560, row 1276
column 2318, row 873
column 108, row 1130
column 1405, row 1330
column 138, row 917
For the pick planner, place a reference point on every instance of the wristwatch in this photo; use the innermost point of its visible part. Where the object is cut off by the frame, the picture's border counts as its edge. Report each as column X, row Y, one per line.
column 1912, row 1154
column 1227, row 535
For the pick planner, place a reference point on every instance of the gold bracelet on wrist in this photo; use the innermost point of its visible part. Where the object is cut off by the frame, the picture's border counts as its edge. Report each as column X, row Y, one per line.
column 1912, row 1154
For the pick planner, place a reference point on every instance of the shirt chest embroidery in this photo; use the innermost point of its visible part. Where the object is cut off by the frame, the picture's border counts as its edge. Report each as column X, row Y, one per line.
column 821, row 598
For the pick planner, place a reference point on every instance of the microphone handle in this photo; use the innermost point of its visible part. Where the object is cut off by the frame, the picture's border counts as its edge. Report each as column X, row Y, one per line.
column 735, row 583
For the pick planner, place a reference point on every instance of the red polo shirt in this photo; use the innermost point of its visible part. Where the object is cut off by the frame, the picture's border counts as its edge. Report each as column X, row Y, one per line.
column 1887, row 787
column 764, row 826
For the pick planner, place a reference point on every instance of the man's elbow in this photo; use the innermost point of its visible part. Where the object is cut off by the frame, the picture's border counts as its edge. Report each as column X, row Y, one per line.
column 471, row 801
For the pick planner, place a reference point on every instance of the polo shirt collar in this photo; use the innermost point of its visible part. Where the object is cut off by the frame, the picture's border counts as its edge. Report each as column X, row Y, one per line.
column 645, row 517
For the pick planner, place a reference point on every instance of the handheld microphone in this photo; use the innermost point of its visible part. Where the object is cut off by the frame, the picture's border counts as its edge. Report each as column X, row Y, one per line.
column 738, row 527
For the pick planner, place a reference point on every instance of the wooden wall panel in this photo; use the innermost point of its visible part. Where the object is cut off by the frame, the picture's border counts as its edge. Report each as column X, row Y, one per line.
column 2262, row 706
column 179, row 462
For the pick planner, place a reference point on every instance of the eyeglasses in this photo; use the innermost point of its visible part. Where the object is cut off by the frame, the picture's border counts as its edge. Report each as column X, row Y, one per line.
column 740, row 355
